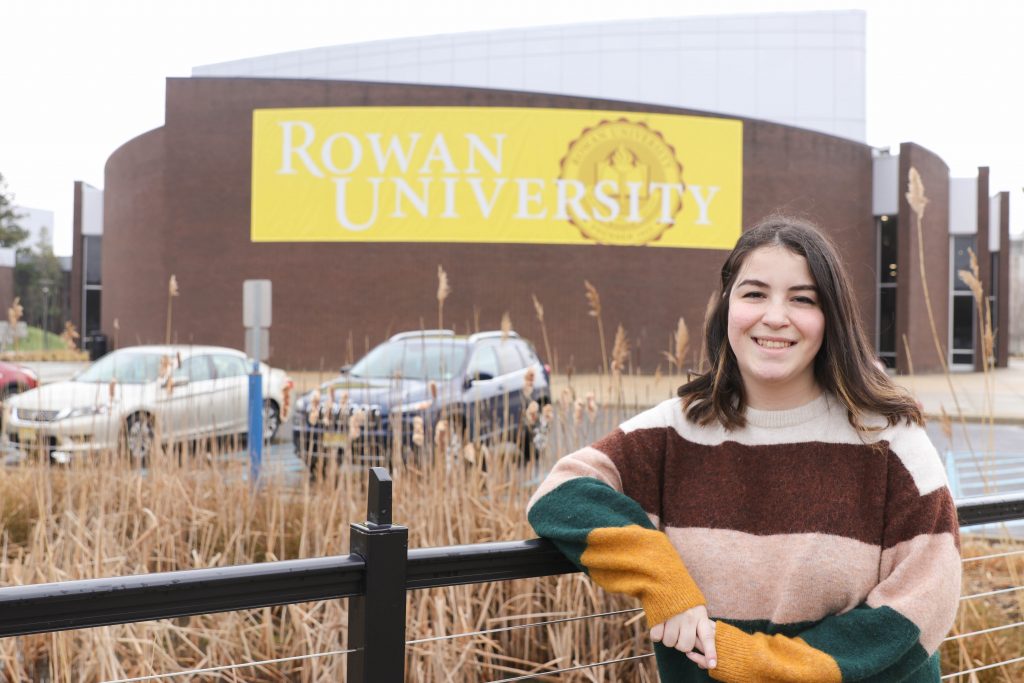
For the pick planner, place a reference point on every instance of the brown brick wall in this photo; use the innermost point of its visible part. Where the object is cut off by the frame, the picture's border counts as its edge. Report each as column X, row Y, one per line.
column 177, row 200
column 136, row 244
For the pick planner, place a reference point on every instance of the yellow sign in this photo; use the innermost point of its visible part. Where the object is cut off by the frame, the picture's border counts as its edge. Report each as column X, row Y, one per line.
column 465, row 174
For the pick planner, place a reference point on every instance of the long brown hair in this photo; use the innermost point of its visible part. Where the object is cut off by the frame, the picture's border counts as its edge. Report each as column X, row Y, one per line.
column 845, row 364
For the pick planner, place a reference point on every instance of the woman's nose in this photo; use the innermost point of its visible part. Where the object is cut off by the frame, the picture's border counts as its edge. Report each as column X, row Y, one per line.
column 776, row 314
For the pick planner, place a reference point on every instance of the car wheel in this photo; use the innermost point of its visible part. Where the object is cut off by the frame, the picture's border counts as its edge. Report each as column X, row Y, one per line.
column 271, row 420
column 139, row 438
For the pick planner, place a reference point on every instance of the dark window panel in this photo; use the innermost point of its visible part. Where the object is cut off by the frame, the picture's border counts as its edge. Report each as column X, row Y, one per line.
column 93, row 260
column 887, row 251
column 961, row 259
column 887, row 320
column 92, row 311
column 963, row 322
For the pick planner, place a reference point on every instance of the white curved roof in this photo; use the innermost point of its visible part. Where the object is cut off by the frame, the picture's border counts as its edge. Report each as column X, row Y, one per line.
column 803, row 69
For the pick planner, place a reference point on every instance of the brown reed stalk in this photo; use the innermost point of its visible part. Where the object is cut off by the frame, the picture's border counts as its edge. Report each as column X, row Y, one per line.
column 506, row 325
column 620, row 357
column 918, row 201
column 539, row 310
column 679, row 342
column 594, row 302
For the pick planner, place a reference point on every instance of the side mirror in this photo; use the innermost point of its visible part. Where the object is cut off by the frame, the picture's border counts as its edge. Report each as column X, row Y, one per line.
column 345, row 368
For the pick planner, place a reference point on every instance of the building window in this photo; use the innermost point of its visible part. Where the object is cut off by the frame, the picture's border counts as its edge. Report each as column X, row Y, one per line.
column 962, row 310
column 993, row 299
column 92, row 311
column 885, row 323
column 93, row 259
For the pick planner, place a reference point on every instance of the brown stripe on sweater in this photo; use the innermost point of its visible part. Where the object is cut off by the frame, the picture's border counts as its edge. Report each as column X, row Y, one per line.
column 639, row 458
column 910, row 514
column 776, row 489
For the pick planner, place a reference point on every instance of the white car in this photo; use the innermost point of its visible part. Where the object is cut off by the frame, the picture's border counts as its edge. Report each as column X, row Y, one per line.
column 134, row 395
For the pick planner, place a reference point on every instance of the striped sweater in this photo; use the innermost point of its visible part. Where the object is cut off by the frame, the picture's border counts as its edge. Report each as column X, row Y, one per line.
column 821, row 557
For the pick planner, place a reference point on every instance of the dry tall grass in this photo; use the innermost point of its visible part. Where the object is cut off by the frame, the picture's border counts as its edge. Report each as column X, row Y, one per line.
column 104, row 518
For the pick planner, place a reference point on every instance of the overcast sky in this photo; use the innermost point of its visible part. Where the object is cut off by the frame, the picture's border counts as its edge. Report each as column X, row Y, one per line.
column 78, row 79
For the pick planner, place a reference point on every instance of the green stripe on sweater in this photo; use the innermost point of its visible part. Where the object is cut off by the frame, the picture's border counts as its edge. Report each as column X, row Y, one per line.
column 568, row 513
column 852, row 640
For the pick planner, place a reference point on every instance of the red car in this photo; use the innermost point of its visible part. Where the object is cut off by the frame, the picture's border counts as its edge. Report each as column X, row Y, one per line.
column 15, row 379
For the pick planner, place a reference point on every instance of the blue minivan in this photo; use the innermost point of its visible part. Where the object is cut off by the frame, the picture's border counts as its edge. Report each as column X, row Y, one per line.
column 479, row 387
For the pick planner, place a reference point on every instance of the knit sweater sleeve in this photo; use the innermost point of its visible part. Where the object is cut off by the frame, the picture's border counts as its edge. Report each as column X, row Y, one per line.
column 600, row 505
column 899, row 626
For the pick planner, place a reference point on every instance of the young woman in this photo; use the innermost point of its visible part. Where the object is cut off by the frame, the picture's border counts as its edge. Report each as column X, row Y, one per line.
column 786, row 517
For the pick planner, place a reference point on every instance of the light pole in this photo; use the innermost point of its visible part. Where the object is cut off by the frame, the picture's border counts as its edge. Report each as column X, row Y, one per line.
column 46, row 313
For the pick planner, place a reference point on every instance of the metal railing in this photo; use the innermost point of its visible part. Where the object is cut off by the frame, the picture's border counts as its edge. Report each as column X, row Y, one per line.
column 375, row 577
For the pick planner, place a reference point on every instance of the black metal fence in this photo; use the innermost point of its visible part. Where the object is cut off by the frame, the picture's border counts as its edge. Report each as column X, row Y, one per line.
column 375, row 577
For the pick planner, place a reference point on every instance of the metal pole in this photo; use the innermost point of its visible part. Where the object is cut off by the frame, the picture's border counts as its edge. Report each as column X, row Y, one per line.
column 255, row 422
column 376, row 620
column 46, row 317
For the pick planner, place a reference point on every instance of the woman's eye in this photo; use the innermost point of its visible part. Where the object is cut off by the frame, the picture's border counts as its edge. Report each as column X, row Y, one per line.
column 804, row 300
column 753, row 295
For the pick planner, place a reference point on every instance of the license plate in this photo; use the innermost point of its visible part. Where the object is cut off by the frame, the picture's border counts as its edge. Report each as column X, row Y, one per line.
column 27, row 437
column 336, row 440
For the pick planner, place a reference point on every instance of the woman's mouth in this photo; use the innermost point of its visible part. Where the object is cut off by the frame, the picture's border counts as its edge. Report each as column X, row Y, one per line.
column 773, row 343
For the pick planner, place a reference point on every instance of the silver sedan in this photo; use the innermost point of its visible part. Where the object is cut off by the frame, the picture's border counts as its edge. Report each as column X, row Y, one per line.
column 135, row 396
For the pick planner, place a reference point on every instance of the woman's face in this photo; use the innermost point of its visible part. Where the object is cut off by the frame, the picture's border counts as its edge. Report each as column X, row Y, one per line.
column 776, row 327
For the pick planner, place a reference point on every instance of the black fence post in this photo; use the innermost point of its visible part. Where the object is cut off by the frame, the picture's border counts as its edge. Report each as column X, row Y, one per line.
column 376, row 619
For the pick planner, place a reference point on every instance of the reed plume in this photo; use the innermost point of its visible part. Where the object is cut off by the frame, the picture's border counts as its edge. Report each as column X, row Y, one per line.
column 172, row 292
column 539, row 310
column 620, row 356
column 506, row 325
column 443, row 290
column 594, row 301
column 680, row 343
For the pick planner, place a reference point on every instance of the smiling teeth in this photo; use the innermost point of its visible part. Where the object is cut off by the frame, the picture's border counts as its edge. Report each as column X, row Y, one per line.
column 773, row 344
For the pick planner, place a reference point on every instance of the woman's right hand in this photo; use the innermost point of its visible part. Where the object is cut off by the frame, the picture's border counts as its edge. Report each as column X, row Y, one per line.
column 689, row 630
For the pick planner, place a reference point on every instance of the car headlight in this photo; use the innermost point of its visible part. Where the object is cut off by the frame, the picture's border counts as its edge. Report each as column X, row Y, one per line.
column 83, row 411
column 414, row 407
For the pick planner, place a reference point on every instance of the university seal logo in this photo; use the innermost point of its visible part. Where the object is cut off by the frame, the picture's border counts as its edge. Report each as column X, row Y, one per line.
column 622, row 183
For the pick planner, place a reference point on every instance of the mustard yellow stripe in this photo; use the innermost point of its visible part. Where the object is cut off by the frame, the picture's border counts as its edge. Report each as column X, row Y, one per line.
column 642, row 563
column 760, row 658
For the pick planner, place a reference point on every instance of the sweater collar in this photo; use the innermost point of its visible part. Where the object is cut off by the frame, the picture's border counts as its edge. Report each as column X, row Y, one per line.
column 790, row 417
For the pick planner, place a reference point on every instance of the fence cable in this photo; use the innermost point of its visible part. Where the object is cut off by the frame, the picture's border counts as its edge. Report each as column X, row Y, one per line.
column 982, row 668
column 571, row 668
column 989, row 593
column 984, row 630
column 992, row 557
column 229, row 667
column 522, row 626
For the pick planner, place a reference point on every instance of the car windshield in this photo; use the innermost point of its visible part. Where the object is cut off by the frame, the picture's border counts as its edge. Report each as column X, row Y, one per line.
column 438, row 360
column 124, row 367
